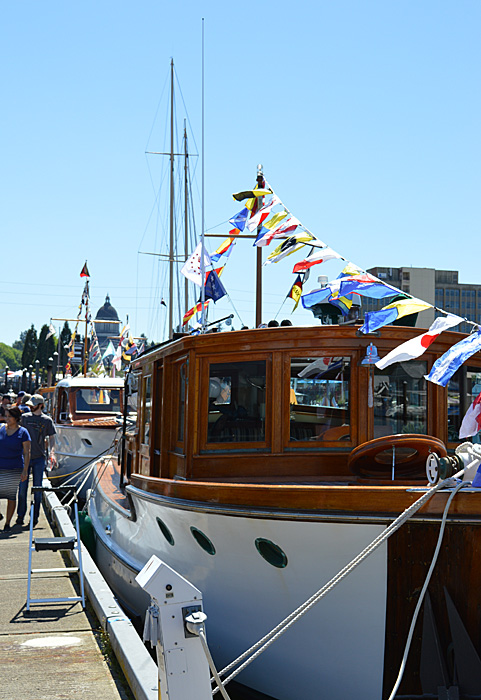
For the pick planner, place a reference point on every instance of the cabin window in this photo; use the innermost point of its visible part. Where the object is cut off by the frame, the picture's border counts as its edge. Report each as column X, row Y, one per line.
column 147, row 395
column 319, row 398
column 400, row 399
column 237, row 402
column 182, row 393
column 97, row 400
column 463, row 388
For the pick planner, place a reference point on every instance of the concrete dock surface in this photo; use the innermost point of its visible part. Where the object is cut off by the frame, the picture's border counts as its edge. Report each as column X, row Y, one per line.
column 55, row 651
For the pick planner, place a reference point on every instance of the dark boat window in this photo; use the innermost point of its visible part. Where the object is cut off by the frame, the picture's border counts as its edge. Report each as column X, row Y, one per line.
column 147, row 398
column 400, row 399
column 182, row 389
column 319, row 398
column 463, row 388
column 237, row 402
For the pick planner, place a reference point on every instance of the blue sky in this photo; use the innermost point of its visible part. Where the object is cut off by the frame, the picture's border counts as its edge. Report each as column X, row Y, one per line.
column 364, row 115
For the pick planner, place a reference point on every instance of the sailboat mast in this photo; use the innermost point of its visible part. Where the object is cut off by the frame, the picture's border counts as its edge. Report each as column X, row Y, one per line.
column 260, row 185
column 202, row 233
column 171, row 242
column 186, row 215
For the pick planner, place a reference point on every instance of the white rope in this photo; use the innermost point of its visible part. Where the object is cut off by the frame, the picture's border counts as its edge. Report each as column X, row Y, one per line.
column 254, row 651
column 220, row 685
column 425, row 587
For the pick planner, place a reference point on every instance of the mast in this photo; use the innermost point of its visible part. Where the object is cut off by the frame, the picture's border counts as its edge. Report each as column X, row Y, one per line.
column 202, row 233
column 171, row 241
column 260, row 185
column 186, row 215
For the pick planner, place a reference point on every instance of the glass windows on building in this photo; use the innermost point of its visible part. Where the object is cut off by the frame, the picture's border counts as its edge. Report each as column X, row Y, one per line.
column 237, row 402
column 400, row 399
column 463, row 388
column 319, row 398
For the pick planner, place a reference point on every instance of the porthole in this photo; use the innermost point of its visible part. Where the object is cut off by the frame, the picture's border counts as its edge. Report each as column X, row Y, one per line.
column 271, row 552
column 165, row 531
column 202, row 540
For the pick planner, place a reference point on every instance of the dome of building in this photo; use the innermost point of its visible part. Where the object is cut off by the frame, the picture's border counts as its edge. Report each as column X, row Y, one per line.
column 107, row 312
column 107, row 324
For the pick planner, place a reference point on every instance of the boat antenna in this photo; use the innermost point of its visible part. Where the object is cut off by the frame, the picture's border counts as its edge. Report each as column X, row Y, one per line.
column 202, row 233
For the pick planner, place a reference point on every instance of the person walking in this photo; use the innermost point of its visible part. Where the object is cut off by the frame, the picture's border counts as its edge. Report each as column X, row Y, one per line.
column 14, row 459
column 42, row 431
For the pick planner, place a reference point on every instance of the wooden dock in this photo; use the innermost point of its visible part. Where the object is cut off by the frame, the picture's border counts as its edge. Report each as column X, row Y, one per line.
column 56, row 651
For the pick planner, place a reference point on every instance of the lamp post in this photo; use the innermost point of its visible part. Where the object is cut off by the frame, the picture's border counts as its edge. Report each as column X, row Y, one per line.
column 30, row 378
column 37, row 374
column 24, row 379
column 6, row 378
column 55, row 367
column 49, row 371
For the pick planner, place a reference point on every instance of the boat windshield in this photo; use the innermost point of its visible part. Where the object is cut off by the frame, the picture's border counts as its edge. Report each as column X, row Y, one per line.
column 98, row 400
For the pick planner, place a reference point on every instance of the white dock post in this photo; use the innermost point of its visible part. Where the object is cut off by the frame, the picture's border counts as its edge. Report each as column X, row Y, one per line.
column 183, row 667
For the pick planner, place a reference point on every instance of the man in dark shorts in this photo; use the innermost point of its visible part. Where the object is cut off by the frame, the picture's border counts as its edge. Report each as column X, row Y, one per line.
column 41, row 429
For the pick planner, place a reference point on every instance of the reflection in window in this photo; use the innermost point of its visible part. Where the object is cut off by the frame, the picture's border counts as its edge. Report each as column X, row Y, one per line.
column 182, row 398
column 463, row 388
column 319, row 398
column 400, row 399
column 147, row 408
column 98, row 400
column 237, row 400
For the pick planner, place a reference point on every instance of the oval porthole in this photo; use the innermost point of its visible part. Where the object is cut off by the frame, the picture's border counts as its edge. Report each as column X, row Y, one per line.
column 202, row 540
column 271, row 552
column 165, row 531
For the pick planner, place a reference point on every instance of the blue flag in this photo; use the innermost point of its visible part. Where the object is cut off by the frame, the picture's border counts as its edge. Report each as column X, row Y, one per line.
column 239, row 220
column 446, row 365
column 214, row 289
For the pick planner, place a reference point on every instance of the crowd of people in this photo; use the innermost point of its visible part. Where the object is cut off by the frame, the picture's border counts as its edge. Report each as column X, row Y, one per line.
column 26, row 438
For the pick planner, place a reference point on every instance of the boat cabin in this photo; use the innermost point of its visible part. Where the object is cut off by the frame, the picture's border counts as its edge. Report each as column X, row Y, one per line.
column 285, row 404
column 80, row 399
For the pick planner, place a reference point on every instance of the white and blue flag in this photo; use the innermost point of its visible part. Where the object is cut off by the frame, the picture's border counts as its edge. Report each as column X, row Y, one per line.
column 446, row 365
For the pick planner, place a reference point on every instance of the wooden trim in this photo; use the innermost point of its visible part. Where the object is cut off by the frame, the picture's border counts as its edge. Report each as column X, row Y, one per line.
column 329, row 499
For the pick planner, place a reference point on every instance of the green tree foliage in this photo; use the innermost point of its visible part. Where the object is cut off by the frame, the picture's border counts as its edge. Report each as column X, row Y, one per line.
column 10, row 357
column 45, row 349
column 18, row 344
column 64, row 340
column 29, row 352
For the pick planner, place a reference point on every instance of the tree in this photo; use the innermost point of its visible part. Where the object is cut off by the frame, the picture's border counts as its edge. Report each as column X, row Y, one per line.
column 29, row 352
column 18, row 344
column 10, row 357
column 45, row 348
column 63, row 341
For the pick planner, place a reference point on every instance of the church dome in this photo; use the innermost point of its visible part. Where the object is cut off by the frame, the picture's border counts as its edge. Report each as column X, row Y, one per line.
column 107, row 312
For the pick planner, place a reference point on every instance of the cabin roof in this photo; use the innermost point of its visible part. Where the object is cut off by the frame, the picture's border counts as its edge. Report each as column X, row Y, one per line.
column 91, row 382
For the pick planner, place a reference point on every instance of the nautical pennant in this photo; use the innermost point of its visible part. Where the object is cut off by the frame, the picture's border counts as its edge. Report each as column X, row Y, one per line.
column 446, row 365
column 316, row 258
column 192, row 267
column 397, row 309
column 262, row 213
column 415, row 347
column 250, row 194
column 296, row 291
column 214, row 289
column 239, row 220
column 471, row 424
column 290, row 245
column 85, row 272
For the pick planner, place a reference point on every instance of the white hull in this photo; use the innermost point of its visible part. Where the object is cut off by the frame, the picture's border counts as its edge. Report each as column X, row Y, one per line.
column 335, row 652
column 76, row 447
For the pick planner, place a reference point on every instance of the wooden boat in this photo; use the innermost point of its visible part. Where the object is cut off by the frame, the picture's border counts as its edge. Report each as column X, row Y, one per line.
column 87, row 412
column 261, row 463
